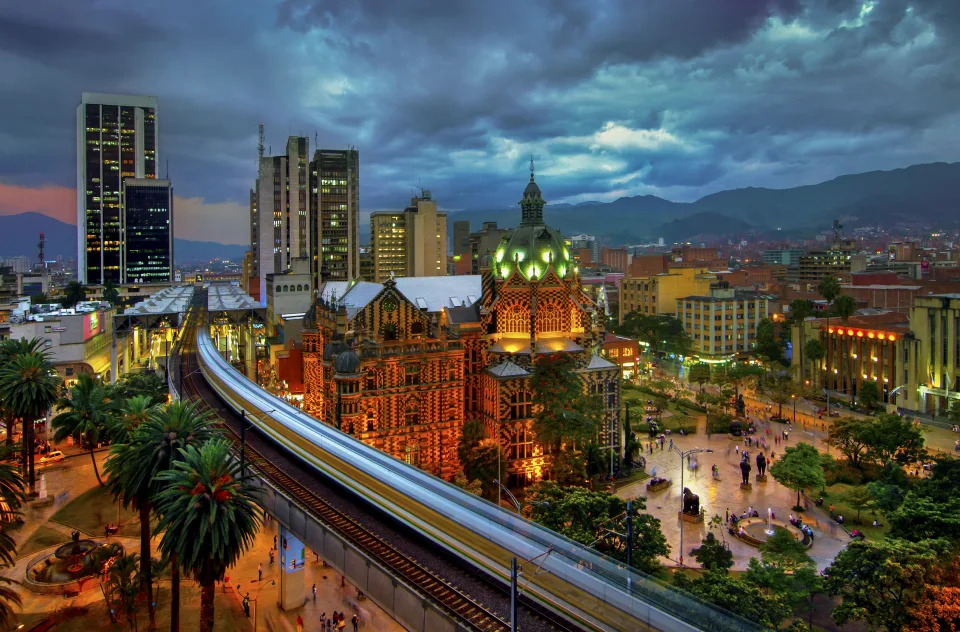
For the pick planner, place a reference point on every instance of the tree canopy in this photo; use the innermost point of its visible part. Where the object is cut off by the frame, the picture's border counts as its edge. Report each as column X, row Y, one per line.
column 662, row 333
column 562, row 411
column 799, row 469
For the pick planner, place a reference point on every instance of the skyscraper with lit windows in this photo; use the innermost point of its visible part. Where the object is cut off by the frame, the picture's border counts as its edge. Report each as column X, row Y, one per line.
column 116, row 139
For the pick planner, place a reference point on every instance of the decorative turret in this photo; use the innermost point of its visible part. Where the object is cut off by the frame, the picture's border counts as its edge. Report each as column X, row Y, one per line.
column 532, row 203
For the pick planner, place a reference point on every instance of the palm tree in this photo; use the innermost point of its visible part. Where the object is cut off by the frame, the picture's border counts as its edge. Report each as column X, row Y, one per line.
column 87, row 415
column 844, row 307
column 110, row 293
column 159, row 443
column 829, row 288
column 209, row 516
column 130, row 478
column 815, row 352
column 29, row 385
column 9, row 349
column 12, row 497
column 73, row 293
column 134, row 412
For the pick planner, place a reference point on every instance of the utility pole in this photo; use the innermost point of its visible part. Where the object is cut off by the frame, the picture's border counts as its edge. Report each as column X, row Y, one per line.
column 629, row 535
column 514, row 572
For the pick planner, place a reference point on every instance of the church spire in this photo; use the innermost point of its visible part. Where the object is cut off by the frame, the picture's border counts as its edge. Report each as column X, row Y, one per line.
column 531, row 205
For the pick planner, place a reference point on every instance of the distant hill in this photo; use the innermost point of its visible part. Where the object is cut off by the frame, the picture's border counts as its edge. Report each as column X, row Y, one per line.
column 19, row 235
column 927, row 193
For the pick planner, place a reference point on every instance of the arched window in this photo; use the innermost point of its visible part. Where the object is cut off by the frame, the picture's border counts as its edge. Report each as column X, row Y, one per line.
column 416, row 328
column 521, row 405
column 286, row 288
column 549, row 317
column 411, row 416
column 277, row 289
column 371, row 421
column 516, row 320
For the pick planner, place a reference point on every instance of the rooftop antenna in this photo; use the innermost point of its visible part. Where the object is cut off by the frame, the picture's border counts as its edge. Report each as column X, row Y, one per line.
column 40, row 245
column 167, row 177
column 316, row 140
column 531, row 167
column 260, row 144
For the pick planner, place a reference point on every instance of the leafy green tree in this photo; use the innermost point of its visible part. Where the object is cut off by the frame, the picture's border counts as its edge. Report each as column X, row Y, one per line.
column 147, row 383
column 850, row 436
column 784, row 551
column 209, row 516
column 13, row 496
column 844, row 307
column 859, row 498
column 893, row 438
column 780, row 391
column 796, row 588
column 585, row 516
column 881, row 581
column 799, row 469
column 596, row 459
column 869, row 395
column 699, row 373
column 921, row 517
column 73, row 293
column 713, row 555
column 87, row 415
column 29, row 385
column 131, row 414
column 661, row 332
column 953, row 413
column 563, row 413
column 736, row 595
column 569, row 468
column 160, row 443
column 767, row 345
column 829, row 288
column 482, row 458
column 474, row 487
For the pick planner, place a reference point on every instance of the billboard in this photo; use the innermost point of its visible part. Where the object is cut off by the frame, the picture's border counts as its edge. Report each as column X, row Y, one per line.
column 92, row 325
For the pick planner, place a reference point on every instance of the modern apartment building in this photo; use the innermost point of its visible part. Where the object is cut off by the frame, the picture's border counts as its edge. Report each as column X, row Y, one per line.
column 841, row 257
column 931, row 374
column 147, row 255
column 411, row 243
column 658, row 293
column 723, row 322
column 334, row 215
column 116, row 139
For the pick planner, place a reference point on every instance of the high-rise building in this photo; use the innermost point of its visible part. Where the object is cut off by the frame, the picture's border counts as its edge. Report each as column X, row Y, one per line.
column 411, row 243
column 116, row 139
column 147, row 255
column 306, row 209
column 334, row 215
column 461, row 229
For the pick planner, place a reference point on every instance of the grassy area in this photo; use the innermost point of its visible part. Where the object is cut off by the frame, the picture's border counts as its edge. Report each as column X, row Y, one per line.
column 636, row 475
column 93, row 509
column 834, row 496
column 42, row 538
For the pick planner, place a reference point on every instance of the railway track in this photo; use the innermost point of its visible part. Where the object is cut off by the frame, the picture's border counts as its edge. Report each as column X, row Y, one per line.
column 455, row 602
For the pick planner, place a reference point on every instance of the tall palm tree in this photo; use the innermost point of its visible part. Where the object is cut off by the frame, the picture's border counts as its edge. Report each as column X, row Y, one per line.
column 209, row 516
column 130, row 479
column 87, row 414
column 844, row 307
column 159, row 443
column 29, row 385
column 9, row 349
column 829, row 288
column 12, row 497
column 73, row 293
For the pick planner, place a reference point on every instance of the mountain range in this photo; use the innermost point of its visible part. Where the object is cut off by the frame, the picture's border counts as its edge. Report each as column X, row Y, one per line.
column 20, row 233
column 918, row 195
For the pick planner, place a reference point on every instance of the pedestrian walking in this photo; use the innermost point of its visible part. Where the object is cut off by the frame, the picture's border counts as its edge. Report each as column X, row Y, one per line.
column 260, row 572
column 314, row 593
column 299, row 623
column 356, row 622
column 274, row 542
column 727, row 519
column 271, row 557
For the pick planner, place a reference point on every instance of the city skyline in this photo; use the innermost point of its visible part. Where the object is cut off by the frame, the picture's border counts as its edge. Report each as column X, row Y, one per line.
column 668, row 102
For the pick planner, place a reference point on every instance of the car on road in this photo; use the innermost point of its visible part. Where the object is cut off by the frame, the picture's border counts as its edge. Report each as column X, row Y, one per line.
column 55, row 456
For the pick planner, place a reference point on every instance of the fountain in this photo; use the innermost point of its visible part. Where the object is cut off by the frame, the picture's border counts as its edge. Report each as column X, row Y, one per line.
column 769, row 530
column 71, row 567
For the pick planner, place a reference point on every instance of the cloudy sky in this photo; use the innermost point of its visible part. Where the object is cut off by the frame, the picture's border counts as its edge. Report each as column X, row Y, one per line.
column 677, row 98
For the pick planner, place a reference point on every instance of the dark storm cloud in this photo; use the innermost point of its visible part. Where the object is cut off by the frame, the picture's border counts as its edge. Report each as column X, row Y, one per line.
column 678, row 98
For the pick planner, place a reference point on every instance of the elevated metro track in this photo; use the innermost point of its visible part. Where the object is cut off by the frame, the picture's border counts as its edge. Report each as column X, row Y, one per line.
column 461, row 545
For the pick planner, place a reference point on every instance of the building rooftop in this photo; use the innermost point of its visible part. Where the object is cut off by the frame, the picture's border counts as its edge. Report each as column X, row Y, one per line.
column 169, row 300
column 597, row 363
column 507, row 369
column 225, row 297
column 432, row 294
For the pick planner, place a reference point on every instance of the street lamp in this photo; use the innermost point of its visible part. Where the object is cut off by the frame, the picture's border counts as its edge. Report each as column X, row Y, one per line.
column 516, row 503
column 684, row 454
column 793, row 396
column 256, row 599
column 243, row 437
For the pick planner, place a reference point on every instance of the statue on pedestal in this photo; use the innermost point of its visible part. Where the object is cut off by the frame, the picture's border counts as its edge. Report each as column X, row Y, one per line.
column 745, row 470
column 691, row 502
column 761, row 464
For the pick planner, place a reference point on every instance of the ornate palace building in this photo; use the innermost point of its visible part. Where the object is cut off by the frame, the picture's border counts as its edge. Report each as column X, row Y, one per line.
column 402, row 365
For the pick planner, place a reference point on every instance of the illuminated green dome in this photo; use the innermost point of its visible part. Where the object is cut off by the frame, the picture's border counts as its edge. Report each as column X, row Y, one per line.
column 533, row 246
